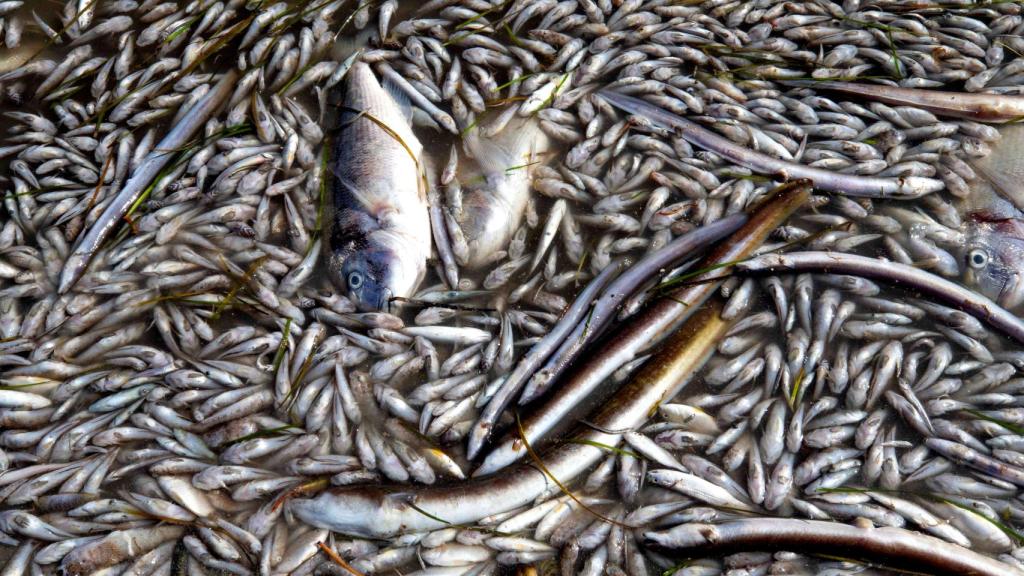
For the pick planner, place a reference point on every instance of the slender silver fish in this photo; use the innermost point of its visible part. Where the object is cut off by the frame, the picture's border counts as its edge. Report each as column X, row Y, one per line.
column 499, row 188
column 381, row 511
column 886, row 545
column 154, row 162
column 380, row 232
column 980, row 107
column 905, row 188
column 909, row 277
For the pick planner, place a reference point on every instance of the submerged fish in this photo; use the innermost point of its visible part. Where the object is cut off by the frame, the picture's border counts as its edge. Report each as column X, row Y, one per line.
column 994, row 249
column 499, row 188
column 991, row 246
column 994, row 258
column 380, row 231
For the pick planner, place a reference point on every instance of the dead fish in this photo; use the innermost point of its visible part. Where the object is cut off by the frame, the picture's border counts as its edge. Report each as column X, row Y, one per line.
column 380, row 231
column 993, row 253
column 493, row 210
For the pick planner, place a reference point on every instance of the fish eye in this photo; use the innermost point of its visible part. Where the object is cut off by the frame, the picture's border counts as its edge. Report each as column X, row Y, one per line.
column 355, row 280
column 977, row 258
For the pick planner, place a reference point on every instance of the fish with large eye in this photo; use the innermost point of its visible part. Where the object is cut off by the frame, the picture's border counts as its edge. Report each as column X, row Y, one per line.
column 990, row 243
column 993, row 253
column 374, row 276
column 380, row 231
column 994, row 260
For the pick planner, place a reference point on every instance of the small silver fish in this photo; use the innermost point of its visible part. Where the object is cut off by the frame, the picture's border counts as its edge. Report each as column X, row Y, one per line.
column 499, row 188
column 380, row 231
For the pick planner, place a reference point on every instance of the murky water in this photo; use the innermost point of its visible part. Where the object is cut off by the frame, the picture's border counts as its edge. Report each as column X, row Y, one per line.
column 201, row 388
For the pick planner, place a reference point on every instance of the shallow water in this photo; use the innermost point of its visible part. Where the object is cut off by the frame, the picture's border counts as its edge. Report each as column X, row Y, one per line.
column 188, row 301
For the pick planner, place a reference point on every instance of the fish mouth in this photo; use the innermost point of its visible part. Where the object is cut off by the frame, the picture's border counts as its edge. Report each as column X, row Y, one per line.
column 1012, row 293
column 386, row 299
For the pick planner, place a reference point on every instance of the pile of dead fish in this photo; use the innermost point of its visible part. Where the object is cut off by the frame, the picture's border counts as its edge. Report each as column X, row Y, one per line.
column 315, row 287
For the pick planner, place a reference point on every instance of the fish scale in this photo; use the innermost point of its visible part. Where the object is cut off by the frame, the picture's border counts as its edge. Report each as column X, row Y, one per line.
column 379, row 234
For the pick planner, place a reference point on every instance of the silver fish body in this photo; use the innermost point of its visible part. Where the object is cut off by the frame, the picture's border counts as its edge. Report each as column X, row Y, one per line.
column 380, row 230
column 493, row 209
column 993, row 253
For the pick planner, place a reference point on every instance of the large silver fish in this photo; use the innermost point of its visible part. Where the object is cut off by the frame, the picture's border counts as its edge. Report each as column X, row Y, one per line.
column 380, row 231
column 994, row 249
column 499, row 188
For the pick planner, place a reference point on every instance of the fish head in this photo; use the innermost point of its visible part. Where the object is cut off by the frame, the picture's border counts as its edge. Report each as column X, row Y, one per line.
column 384, row 269
column 366, row 277
column 371, row 263
column 355, row 511
column 994, row 248
column 993, row 257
